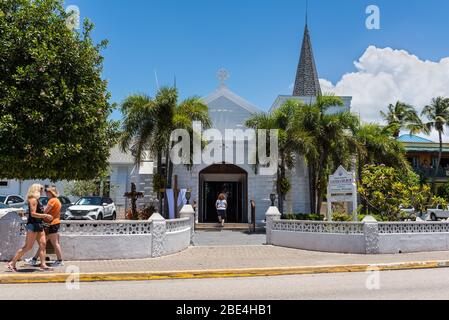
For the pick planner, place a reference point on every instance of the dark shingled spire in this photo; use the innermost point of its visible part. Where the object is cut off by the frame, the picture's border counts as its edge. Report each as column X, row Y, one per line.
column 307, row 83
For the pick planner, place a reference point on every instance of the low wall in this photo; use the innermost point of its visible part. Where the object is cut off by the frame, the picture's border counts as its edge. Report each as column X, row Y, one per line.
column 178, row 236
column 369, row 237
column 104, row 240
column 412, row 237
column 319, row 236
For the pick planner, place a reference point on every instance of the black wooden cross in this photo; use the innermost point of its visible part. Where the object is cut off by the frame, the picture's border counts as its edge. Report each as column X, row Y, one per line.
column 134, row 196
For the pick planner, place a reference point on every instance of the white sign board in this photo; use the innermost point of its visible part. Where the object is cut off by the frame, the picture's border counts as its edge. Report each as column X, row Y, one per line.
column 342, row 188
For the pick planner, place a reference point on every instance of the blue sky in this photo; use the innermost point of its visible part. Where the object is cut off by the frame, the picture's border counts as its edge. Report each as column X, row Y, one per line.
column 258, row 41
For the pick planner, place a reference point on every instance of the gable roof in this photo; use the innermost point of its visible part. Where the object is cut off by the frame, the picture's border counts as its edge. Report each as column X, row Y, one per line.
column 223, row 91
column 409, row 138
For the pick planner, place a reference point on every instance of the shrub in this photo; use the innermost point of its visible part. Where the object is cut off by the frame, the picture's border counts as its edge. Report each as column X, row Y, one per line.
column 303, row 217
column 341, row 217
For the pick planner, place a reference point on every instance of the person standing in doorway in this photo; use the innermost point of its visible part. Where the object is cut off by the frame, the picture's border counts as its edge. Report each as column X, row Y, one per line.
column 222, row 206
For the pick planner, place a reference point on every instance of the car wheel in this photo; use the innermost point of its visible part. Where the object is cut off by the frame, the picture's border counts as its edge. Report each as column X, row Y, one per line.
column 100, row 216
column 433, row 217
column 114, row 216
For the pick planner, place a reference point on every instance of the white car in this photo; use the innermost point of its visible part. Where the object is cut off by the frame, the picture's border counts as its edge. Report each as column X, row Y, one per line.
column 437, row 213
column 92, row 208
column 4, row 210
column 13, row 201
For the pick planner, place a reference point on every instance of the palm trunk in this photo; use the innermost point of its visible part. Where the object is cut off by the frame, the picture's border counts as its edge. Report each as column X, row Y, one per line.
column 168, row 177
column 159, row 172
column 437, row 169
column 281, row 176
column 320, row 182
column 312, row 188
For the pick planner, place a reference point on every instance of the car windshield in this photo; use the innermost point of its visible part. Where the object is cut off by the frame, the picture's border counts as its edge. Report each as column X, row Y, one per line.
column 2, row 206
column 90, row 201
column 2, row 199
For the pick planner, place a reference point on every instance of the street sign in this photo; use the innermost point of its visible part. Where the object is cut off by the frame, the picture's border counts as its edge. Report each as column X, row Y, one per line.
column 342, row 188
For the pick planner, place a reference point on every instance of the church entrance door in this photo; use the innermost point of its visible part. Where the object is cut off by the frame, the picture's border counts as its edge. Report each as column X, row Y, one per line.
column 230, row 180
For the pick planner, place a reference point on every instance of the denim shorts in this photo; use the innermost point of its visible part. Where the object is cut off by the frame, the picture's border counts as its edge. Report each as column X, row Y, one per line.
column 35, row 227
column 222, row 213
column 54, row 229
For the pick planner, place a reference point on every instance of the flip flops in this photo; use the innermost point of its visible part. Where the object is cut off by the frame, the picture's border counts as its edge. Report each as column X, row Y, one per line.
column 11, row 268
column 46, row 269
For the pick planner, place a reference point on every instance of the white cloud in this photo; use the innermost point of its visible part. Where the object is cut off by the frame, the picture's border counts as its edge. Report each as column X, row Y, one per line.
column 385, row 76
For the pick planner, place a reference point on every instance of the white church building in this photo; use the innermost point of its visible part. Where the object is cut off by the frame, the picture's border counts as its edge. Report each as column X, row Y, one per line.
column 241, row 183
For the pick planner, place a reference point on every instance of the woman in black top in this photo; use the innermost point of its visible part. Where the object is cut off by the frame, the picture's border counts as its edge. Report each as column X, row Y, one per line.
column 34, row 227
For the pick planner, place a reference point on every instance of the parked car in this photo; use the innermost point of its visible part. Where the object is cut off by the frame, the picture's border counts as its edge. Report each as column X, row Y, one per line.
column 4, row 210
column 408, row 212
column 92, row 208
column 439, row 212
column 13, row 201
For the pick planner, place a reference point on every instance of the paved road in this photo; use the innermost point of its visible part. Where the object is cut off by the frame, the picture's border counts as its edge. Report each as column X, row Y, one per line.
column 417, row 284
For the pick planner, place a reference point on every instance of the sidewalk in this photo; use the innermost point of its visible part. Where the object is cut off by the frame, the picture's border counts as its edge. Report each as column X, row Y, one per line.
column 228, row 261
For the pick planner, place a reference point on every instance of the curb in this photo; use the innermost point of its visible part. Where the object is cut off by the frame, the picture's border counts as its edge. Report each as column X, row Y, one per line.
column 211, row 274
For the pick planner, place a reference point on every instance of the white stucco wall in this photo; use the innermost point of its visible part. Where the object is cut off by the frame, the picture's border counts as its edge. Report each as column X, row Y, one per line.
column 177, row 241
column 336, row 243
column 106, row 247
column 413, row 242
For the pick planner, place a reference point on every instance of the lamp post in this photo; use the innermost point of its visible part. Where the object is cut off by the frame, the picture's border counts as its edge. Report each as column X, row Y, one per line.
column 188, row 196
column 273, row 199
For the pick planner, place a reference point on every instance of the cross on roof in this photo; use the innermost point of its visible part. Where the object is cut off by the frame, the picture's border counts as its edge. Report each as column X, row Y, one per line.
column 223, row 75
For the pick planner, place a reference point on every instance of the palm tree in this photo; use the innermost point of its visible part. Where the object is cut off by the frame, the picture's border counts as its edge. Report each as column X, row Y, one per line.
column 437, row 114
column 379, row 147
column 148, row 124
column 333, row 140
column 402, row 116
column 292, row 140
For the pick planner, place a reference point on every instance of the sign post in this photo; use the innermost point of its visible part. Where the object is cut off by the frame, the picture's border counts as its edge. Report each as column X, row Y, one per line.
column 342, row 188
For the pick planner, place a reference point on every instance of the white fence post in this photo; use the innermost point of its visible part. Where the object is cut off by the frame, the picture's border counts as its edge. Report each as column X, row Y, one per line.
column 371, row 232
column 158, row 235
column 271, row 215
column 188, row 212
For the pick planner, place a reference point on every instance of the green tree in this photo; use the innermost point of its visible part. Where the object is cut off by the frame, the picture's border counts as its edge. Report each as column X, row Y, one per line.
column 148, row 124
column 292, row 141
column 386, row 189
column 437, row 114
column 333, row 140
column 379, row 147
column 53, row 102
column 402, row 116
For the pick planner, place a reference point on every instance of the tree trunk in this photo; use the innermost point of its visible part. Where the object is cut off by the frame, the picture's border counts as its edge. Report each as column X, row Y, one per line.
column 159, row 172
column 168, row 177
column 437, row 169
column 281, row 176
column 312, row 188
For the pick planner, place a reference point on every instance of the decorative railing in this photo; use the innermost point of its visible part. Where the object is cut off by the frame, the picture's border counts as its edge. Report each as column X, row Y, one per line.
column 318, row 227
column 413, row 227
column 430, row 172
column 177, row 225
column 97, row 228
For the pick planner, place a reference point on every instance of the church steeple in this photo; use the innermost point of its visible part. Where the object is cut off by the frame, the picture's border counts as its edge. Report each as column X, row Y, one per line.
column 307, row 83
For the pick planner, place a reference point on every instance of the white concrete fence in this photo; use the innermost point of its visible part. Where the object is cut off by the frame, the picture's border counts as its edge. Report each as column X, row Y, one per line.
column 107, row 240
column 367, row 237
